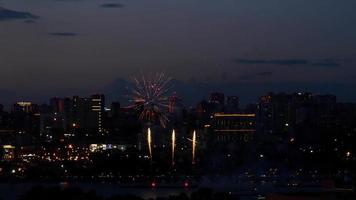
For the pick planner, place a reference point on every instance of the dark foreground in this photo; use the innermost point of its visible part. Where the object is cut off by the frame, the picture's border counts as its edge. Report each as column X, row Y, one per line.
column 103, row 191
column 56, row 193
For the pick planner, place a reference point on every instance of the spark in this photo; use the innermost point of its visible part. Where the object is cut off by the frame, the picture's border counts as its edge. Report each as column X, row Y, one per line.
column 173, row 145
column 149, row 142
column 194, row 143
column 150, row 96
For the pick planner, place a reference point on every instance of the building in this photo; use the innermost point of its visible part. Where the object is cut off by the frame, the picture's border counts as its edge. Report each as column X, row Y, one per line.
column 174, row 104
column 115, row 109
column 232, row 104
column 298, row 116
column 97, row 111
column 234, row 126
column 61, row 105
column 277, row 112
column 7, row 153
column 217, row 98
column 80, row 112
column 25, row 117
column 25, row 107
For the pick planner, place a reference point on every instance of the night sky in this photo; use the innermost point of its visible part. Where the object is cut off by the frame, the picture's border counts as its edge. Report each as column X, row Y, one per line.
column 242, row 47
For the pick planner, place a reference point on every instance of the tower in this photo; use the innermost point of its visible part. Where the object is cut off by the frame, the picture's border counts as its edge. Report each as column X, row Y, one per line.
column 97, row 111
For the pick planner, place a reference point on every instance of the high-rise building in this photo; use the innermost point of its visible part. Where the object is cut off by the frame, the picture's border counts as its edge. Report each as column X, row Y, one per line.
column 26, row 117
column 234, row 126
column 216, row 102
column 60, row 108
column 57, row 105
column 217, row 98
column 115, row 109
column 97, row 110
column 80, row 112
column 276, row 113
column 174, row 104
column 232, row 105
column 25, row 106
column 285, row 115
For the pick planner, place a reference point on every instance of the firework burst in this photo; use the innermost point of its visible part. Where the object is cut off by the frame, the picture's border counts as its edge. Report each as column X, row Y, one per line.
column 150, row 96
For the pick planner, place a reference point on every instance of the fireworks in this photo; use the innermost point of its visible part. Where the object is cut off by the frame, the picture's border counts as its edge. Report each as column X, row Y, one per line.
column 150, row 97
column 173, row 145
column 194, row 145
column 149, row 142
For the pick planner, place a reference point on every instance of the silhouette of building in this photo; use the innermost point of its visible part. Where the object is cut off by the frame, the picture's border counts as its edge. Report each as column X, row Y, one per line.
column 232, row 104
column 97, row 111
column 217, row 98
column 25, row 106
column 234, row 126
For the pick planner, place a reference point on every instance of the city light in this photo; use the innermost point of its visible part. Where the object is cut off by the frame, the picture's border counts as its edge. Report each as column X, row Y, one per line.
column 348, row 154
column 153, row 184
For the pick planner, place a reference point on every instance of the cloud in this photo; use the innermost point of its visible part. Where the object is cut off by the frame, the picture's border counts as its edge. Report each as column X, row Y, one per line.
column 326, row 63
column 6, row 14
column 289, row 62
column 112, row 5
column 68, row 0
column 272, row 62
column 63, row 34
column 29, row 21
column 256, row 75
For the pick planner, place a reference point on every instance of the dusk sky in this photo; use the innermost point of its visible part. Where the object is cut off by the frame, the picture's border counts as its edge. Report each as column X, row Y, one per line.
column 50, row 47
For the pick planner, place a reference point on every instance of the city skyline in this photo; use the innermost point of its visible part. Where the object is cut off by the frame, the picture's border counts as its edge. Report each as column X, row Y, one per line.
column 125, row 100
column 69, row 47
column 190, row 93
column 177, row 99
